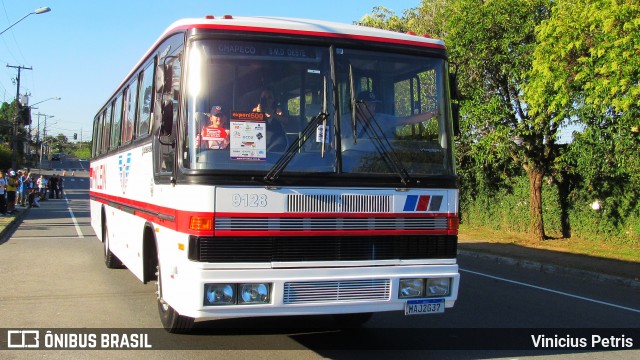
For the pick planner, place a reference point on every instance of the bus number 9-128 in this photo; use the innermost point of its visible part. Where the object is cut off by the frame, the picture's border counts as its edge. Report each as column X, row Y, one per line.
column 249, row 200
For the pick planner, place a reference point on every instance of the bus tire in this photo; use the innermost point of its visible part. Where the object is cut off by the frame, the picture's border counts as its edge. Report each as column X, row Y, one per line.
column 110, row 260
column 352, row 320
column 171, row 320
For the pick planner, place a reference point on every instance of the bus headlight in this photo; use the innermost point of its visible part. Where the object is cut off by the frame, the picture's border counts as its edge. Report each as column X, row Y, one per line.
column 219, row 294
column 411, row 288
column 438, row 287
column 254, row 294
column 424, row 288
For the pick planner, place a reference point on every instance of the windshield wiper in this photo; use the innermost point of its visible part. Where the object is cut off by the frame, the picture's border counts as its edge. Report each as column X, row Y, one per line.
column 291, row 151
column 374, row 131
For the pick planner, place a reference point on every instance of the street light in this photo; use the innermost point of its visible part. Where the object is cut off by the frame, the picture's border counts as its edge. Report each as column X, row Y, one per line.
column 32, row 107
column 41, row 10
column 51, row 98
column 14, row 153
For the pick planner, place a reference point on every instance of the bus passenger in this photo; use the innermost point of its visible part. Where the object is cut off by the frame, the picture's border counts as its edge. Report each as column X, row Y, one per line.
column 214, row 136
column 267, row 104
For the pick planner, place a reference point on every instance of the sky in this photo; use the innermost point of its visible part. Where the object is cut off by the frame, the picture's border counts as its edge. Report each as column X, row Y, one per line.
column 81, row 50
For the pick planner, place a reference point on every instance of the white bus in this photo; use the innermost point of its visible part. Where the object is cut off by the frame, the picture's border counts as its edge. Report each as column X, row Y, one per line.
column 256, row 166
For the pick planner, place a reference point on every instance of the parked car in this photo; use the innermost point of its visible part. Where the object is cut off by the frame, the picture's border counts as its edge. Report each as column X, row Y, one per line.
column 55, row 157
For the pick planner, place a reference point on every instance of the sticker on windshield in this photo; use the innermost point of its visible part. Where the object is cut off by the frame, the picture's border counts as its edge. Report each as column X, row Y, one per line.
column 322, row 134
column 248, row 136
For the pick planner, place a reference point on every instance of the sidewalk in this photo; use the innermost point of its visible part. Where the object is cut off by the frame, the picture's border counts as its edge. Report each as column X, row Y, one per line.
column 9, row 223
column 590, row 267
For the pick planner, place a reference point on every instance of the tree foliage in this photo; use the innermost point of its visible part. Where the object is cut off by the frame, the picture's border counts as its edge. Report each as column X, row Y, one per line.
column 493, row 42
column 527, row 69
column 587, row 69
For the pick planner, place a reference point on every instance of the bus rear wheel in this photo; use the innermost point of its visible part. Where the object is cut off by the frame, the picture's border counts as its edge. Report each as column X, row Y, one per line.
column 171, row 320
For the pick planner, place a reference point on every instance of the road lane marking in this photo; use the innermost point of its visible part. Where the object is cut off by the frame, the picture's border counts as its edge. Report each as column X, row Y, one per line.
column 73, row 218
column 552, row 291
column 43, row 237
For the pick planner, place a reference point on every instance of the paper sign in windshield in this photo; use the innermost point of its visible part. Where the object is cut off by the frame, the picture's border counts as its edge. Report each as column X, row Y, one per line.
column 248, row 136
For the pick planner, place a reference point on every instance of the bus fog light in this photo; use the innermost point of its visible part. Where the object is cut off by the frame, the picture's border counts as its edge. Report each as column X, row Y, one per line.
column 254, row 293
column 410, row 288
column 438, row 287
column 219, row 294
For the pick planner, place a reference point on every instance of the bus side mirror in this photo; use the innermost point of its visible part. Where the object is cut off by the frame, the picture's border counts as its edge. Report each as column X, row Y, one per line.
column 164, row 115
column 455, row 106
column 455, row 112
column 453, row 87
column 164, row 76
column 166, row 126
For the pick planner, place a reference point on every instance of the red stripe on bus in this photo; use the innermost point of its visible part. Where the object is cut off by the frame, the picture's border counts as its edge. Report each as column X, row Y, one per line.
column 367, row 38
column 179, row 220
column 423, row 203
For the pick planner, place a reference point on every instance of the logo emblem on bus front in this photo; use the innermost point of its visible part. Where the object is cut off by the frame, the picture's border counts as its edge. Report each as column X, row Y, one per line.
column 123, row 165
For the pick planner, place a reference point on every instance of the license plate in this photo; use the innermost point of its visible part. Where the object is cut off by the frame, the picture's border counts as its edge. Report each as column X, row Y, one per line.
column 428, row 306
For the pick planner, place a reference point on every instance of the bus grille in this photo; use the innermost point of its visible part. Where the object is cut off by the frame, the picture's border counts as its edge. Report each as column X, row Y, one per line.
column 285, row 224
column 344, row 203
column 321, row 248
column 347, row 290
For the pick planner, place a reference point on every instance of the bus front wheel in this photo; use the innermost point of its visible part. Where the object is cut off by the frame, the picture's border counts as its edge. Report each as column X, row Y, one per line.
column 110, row 260
column 171, row 320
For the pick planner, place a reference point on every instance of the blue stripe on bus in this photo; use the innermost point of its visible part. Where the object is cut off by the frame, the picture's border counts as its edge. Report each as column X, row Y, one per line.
column 410, row 204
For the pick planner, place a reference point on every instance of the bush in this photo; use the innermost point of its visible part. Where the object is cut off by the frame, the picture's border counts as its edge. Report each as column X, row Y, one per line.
column 507, row 209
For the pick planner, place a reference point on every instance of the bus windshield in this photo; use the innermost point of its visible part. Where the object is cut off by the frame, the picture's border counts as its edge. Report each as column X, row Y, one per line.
column 249, row 104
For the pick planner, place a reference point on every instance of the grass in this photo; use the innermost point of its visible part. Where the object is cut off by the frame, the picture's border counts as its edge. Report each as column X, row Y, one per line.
column 626, row 252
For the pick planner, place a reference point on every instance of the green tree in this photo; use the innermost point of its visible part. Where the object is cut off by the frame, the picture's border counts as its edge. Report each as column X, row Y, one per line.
column 6, row 116
column 383, row 18
column 494, row 41
column 586, row 69
column 426, row 19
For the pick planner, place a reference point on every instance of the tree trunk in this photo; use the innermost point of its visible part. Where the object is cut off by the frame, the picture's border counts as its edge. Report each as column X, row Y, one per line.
column 563, row 195
column 536, row 223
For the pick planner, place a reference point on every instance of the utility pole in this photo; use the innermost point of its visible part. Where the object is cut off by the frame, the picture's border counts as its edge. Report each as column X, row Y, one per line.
column 14, row 154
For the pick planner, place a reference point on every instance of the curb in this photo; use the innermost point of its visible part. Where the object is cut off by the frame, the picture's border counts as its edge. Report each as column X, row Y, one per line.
column 6, row 233
column 552, row 268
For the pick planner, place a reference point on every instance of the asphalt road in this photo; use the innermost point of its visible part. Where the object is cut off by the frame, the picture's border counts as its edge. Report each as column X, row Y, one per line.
column 52, row 277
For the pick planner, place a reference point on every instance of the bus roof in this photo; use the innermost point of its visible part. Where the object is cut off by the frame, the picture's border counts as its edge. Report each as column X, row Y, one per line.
column 293, row 26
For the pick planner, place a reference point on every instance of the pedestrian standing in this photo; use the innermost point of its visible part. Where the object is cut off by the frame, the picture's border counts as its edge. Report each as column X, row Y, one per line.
column 53, row 186
column 21, row 189
column 61, row 186
column 12, row 188
column 28, row 184
column 3, row 199
column 42, row 185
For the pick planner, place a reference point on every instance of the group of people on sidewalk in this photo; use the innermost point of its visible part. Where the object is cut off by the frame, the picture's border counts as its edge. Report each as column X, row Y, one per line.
column 21, row 188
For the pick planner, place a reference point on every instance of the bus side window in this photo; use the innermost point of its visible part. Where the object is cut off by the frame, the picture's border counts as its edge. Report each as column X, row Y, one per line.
column 145, row 102
column 129, row 112
column 167, row 156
